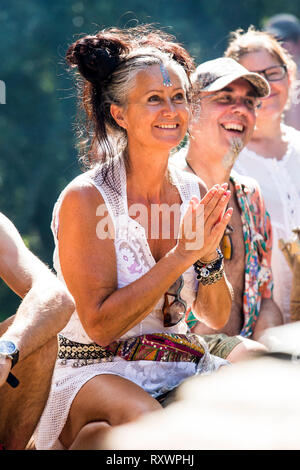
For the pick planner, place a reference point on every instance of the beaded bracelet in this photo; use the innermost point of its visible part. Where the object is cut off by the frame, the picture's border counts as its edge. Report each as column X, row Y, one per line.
column 212, row 278
column 211, row 271
column 213, row 261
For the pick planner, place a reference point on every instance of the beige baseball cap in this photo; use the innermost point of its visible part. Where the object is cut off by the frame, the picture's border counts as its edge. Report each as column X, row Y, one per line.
column 216, row 74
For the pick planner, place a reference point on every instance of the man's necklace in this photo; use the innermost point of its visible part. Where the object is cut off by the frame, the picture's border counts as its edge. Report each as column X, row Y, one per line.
column 226, row 244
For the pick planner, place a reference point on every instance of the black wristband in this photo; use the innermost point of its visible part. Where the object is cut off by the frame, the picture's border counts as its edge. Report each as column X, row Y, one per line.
column 12, row 380
column 14, row 358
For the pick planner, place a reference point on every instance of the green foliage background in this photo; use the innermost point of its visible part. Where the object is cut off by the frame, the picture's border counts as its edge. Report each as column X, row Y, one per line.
column 37, row 147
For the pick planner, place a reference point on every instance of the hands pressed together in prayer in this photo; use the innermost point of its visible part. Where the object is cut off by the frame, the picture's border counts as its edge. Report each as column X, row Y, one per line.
column 204, row 223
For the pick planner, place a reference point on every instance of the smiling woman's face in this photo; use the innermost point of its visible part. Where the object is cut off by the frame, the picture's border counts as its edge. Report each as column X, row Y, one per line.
column 155, row 115
column 274, row 104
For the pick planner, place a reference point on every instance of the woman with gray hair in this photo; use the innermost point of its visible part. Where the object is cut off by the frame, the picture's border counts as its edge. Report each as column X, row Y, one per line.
column 128, row 248
column 272, row 157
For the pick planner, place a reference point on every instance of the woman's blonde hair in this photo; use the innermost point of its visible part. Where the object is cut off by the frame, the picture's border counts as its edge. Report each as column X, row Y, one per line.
column 244, row 42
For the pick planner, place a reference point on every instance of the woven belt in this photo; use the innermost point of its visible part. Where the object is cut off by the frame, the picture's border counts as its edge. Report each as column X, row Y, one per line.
column 149, row 347
column 85, row 353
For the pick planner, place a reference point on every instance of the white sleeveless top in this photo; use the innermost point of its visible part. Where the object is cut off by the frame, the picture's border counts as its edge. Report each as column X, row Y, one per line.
column 133, row 254
column 134, row 259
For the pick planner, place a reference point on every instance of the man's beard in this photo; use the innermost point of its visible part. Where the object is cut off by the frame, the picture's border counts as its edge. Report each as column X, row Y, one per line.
column 236, row 145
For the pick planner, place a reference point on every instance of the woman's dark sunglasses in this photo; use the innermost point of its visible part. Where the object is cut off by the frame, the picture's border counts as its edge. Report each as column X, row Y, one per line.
column 174, row 307
column 274, row 73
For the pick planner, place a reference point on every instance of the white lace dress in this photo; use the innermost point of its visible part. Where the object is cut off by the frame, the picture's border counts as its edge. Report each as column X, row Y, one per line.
column 134, row 259
column 280, row 184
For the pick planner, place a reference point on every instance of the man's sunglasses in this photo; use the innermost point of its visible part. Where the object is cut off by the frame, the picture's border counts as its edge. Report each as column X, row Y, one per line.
column 174, row 307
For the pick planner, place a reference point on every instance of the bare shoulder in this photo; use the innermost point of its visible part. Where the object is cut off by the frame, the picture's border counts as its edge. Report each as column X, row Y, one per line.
column 5, row 224
column 19, row 267
column 81, row 188
column 80, row 192
column 82, row 213
column 9, row 235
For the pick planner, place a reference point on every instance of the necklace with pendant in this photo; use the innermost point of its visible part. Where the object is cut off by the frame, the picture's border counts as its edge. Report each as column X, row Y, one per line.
column 226, row 244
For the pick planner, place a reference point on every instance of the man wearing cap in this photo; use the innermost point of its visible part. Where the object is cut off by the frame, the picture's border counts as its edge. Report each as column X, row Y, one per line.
column 286, row 29
column 28, row 341
column 229, row 95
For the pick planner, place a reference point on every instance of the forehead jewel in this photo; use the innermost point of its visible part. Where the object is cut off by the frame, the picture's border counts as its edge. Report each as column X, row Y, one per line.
column 165, row 75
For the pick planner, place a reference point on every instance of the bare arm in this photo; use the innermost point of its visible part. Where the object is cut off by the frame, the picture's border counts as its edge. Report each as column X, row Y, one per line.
column 269, row 313
column 269, row 316
column 46, row 305
column 107, row 312
column 213, row 302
